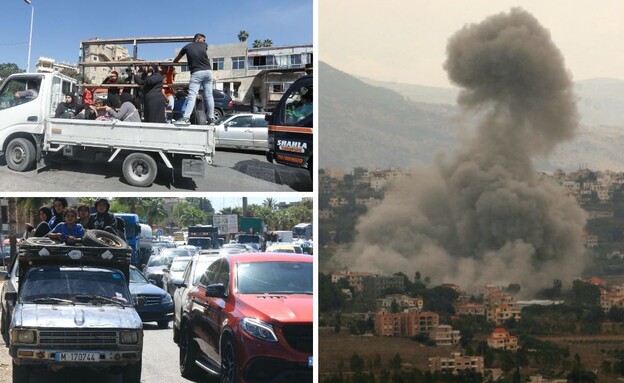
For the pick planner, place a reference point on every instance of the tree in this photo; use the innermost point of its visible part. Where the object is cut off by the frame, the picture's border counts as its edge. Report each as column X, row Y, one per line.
column 257, row 44
column 394, row 307
column 267, row 43
column 270, row 203
column 8, row 69
column 243, row 36
column 356, row 363
column 395, row 362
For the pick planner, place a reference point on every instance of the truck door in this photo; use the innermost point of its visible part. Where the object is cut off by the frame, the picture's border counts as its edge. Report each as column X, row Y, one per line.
column 21, row 102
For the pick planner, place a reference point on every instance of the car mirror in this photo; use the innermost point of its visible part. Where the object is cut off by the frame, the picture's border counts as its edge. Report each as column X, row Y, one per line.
column 10, row 296
column 216, row 291
column 178, row 282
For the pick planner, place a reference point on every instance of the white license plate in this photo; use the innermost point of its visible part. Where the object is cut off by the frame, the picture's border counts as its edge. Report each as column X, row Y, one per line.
column 309, row 361
column 77, row 357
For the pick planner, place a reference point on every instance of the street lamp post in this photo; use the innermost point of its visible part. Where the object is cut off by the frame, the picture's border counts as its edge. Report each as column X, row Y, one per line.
column 32, row 17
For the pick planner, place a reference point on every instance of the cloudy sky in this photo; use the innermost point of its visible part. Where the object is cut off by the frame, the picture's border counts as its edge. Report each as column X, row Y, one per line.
column 405, row 40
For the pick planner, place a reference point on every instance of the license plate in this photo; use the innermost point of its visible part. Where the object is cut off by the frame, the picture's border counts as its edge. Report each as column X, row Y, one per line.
column 309, row 361
column 77, row 357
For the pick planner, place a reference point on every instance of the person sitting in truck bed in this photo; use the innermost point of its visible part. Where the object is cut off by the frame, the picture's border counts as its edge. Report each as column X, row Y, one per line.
column 69, row 231
column 127, row 112
column 45, row 215
column 69, row 108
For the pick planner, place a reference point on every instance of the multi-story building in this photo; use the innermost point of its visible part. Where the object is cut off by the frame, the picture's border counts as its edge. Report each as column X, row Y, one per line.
column 407, row 324
column 444, row 335
column 501, row 340
column 376, row 285
column 354, row 279
column 456, row 363
column 499, row 313
column 470, row 309
column 405, row 303
column 49, row 65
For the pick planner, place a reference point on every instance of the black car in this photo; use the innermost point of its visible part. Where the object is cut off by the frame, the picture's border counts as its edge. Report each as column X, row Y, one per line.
column 222, row 105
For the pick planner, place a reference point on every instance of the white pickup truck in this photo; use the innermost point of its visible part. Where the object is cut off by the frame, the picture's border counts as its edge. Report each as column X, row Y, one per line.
column 29, row 131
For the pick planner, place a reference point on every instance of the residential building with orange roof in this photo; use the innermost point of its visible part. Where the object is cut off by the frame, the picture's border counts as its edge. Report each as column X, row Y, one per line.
column 501, row 340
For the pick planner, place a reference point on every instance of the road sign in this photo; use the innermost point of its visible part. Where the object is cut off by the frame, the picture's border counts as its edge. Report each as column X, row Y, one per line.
column 227, row 223
column 159, row 233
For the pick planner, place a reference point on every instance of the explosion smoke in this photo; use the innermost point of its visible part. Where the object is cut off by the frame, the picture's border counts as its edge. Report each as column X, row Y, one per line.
column 483, row 216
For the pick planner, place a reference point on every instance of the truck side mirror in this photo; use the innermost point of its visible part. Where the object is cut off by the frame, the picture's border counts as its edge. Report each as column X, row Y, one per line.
column 267, row 117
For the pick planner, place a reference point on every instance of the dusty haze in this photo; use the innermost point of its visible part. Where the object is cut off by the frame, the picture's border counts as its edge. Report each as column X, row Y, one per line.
column 481, row 215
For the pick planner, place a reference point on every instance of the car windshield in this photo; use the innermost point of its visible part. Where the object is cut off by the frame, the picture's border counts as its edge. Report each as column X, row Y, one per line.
column 66, row 284
column 137, row 277
column 274, row 278
column 179, row 264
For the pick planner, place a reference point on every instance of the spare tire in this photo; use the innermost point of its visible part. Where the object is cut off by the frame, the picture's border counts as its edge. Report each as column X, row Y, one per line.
column 101, row 238
column 40, row 241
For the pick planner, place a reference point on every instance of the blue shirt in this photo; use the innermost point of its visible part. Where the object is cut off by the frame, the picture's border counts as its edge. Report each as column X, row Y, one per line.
column 76, row 231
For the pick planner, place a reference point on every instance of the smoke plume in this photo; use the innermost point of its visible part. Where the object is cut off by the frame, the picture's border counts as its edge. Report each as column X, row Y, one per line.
column 483, row 215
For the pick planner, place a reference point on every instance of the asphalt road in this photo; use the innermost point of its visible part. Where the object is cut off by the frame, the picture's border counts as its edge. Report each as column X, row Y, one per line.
column 160, row 363
column 232, row 170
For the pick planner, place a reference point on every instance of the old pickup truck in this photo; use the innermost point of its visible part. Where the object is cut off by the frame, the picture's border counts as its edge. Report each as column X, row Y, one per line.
column 29, row 132
column 72, row 308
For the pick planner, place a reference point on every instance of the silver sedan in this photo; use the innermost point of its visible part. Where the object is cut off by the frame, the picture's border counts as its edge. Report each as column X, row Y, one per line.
column 242, row 131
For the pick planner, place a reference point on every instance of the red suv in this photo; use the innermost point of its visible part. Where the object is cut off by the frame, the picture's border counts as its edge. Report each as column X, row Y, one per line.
column 250, row 320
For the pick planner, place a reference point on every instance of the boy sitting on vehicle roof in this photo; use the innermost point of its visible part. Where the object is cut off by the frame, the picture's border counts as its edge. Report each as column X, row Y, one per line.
column 68, row 231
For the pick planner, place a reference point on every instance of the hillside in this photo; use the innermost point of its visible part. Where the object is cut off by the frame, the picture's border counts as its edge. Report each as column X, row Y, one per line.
column 377, row 124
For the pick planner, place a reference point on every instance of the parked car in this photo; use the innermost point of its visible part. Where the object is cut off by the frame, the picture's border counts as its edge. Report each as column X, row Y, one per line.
column 158, row 305
column 250, row 319
column 242, row 131
column 193, row 271
column 174, row 271
column 222, row 105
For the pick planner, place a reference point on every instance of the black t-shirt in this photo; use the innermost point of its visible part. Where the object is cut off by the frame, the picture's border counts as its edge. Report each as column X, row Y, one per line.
column 196, row 56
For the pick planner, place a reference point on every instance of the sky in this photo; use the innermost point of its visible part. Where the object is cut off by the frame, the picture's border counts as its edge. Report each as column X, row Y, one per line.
column 60, row 26
column 405, row 40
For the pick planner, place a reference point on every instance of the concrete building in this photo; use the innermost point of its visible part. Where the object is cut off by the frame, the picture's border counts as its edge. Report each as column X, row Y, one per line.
column 49, row 65
column 456, row 363
column 376, row 285
column 470, row 309
column 501, row 340
column 405, row 303
column 501, row 312
column 354, row 279
column 387, row 324
column 407, row 324
column 444, row 335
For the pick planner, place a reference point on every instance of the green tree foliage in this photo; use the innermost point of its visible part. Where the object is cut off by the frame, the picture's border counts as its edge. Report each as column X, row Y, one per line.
column 395, row 362
column 356, row 363
column 441, row 300
column 243, row 36
column 585, row 293
column 330, row 296
column 8, row 69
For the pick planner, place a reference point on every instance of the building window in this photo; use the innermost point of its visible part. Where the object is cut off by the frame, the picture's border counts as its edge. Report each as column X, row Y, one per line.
column 295, row 59
column 278, row 87
column 218, row 63
column 184, row 68
column 238, row 62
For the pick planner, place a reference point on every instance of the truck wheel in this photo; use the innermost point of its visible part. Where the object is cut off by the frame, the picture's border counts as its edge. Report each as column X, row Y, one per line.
column 21, row 373
column 20, row 154
column 139, row 169
column 311, row 168
column 101, row 238
column 132, row 373
column 188, row 355
column 41, row 241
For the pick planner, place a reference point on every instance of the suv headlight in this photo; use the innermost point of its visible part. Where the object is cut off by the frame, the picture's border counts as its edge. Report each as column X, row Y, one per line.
column 129, row 337
column 258, row 329
column 24, row 336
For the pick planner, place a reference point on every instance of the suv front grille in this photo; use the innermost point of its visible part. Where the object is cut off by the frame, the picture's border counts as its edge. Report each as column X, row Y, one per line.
column 77, row 338
column 151, row 299
column 299, row 337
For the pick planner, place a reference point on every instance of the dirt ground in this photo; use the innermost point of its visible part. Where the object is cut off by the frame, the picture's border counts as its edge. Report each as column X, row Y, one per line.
column 5, row 363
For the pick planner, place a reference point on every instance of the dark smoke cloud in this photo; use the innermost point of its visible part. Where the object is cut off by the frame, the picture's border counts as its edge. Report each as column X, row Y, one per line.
column 482, row 215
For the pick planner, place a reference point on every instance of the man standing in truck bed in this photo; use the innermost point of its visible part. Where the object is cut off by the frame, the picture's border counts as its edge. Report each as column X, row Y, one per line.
column 201, row 74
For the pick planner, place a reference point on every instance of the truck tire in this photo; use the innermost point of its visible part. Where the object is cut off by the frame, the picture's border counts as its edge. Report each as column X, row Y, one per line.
column 132, row 373
column 101, row 238
column 21, row 373
column 20, row 154
column 41, row 241
column 188, row 355
column 140, row 169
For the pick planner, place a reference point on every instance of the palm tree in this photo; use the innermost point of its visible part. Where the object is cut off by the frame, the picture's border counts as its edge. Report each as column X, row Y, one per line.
column 242, row 36
column 153, row 209
column 270, row 203
column 30, row 206
column 192, row 216
column 267, row 43
column 257, row 44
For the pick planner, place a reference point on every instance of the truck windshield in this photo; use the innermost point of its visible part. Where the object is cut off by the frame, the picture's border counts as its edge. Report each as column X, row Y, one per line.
column 62, row 284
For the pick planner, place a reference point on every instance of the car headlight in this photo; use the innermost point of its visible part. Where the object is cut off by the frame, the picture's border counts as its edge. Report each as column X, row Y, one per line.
column 24, row 336
column 129, row 337
column 166, row 298
column 258, row 329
